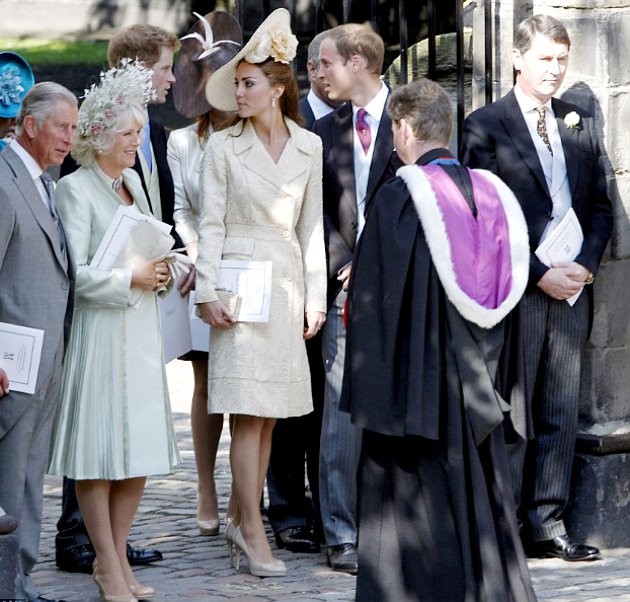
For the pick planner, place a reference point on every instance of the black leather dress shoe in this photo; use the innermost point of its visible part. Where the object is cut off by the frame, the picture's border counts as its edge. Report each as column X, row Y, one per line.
column 343, row 558
column 138, row 556
column 561, row 547
column 79, row 559
column 76, row 559
column 42, row 599
column 297, row 539
column 8, row 524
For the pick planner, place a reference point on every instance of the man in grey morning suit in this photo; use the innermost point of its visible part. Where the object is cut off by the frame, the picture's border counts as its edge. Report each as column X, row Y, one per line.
column 547, row 152
column 36, row 290
column 358, row 157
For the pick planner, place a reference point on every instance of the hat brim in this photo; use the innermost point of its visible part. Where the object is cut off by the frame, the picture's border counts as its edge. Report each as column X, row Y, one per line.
column 220, row 87
column 9, row 108
column 191, row 74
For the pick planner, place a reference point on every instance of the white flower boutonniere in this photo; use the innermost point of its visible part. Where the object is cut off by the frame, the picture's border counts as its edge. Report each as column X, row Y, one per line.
column 573, row 121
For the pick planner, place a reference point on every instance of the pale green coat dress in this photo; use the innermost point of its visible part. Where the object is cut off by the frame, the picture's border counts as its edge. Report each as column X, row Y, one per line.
column 114, row 418
column 255, row 209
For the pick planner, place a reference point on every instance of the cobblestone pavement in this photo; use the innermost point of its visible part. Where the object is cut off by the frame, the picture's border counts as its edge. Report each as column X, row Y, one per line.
column 196, row 568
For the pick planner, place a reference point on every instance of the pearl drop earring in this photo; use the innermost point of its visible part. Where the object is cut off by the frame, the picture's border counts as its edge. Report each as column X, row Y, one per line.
column 273, row 102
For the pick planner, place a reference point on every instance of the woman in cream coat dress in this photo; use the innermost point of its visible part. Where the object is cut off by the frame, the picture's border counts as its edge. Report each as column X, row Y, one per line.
column 261, row 200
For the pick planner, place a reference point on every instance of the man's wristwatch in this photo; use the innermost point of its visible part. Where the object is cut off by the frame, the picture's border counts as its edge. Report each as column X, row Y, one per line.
column 590, row 278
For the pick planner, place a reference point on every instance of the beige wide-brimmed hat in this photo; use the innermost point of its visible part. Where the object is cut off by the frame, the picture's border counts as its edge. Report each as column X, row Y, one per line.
column 210, row 43
column 273, row 39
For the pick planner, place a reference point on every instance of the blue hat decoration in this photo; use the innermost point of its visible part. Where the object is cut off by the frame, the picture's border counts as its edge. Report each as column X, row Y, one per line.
column 16, row 79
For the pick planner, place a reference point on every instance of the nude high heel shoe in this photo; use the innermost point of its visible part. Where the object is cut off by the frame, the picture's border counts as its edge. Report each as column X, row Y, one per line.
column 229, row 537
column 275, row 568
column 105, row 597
column 207, row 527
column 142, row 592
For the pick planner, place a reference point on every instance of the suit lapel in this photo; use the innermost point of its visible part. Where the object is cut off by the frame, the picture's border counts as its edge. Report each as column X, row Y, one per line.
column 344, row 160
column 27, row 189
column 307, row 113
column 569, row 139
column 518, row 133
column 383, row 149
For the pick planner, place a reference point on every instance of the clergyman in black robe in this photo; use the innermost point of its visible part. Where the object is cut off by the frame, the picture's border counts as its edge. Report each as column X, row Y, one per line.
column 442, row 260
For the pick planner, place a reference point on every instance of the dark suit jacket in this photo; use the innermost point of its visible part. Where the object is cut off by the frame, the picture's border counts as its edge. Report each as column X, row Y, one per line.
column 496, row 138
column 340, row 205
column 307, row 113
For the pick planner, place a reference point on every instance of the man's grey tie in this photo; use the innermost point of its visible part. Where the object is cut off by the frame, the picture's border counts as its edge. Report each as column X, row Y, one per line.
column 50, row 190
column 541, row 126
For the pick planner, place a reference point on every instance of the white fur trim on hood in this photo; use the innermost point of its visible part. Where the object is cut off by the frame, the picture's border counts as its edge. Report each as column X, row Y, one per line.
column 436, row 236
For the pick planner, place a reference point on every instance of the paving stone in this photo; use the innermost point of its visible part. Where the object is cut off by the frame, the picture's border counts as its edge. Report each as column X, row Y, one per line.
column 197, row 569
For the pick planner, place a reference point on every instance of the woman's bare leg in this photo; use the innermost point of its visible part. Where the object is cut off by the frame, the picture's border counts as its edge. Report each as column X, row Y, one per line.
column 206, row 433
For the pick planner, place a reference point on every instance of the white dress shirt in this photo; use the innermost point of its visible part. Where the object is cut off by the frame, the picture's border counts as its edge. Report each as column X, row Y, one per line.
column 318, row 106
column 363, row 160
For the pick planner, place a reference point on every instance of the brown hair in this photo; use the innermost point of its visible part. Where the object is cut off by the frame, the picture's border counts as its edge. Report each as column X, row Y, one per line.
column 144, row 42
column 281, row 73
column 219, row 120
column 545, row 25
column 426, row 107
column 353, row 38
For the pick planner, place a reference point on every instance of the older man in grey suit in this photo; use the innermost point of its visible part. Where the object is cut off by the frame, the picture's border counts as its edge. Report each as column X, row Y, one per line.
column 36, row 290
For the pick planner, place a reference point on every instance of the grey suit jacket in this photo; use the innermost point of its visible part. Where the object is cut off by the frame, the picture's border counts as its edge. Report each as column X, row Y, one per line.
column 36, row 280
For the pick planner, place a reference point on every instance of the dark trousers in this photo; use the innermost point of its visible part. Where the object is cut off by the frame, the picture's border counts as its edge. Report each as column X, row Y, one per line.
column 294, row 441
column 71, row 529
column 554, row 336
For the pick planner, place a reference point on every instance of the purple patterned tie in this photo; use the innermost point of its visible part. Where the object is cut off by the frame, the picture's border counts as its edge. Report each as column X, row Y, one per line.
column 363, row 130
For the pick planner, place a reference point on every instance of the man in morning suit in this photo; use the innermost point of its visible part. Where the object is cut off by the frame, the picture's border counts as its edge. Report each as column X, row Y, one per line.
column 294, row 518
column 37, row 291
column 358, row 157
column 547, row 152
column 155, row 48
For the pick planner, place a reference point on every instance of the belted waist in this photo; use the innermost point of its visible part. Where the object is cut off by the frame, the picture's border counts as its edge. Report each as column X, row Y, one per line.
column 258, row 232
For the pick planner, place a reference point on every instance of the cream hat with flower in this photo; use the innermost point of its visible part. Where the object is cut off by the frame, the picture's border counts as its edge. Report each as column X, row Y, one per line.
column 273, row 39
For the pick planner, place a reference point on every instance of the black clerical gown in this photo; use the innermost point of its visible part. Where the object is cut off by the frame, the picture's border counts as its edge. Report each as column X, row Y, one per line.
column 436, row 513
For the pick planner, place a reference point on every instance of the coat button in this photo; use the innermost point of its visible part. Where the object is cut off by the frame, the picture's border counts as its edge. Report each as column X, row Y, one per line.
column 285, row 234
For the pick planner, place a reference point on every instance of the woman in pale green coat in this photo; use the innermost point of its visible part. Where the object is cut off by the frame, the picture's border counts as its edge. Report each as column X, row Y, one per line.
column 113, row 426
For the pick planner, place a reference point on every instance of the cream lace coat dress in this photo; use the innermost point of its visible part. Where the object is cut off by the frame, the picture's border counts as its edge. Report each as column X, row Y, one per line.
column 255, row 209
